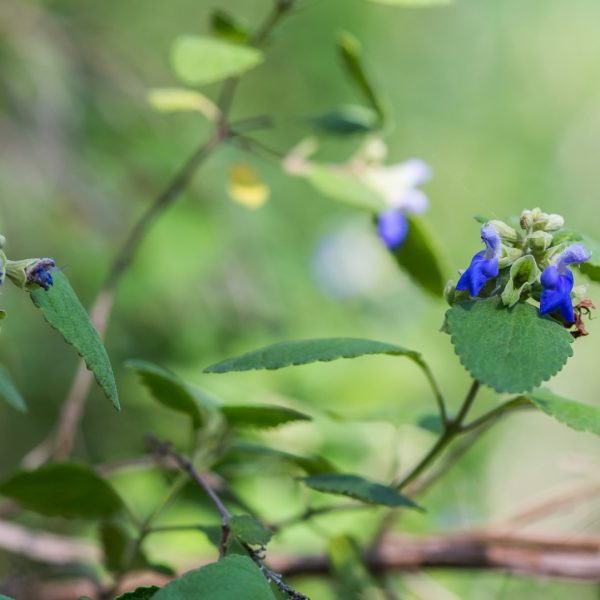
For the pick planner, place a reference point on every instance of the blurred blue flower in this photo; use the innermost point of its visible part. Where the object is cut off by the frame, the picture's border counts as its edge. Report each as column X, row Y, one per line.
column 484, row 265
column 40, row 273
column 398, row 186
column 557, row 281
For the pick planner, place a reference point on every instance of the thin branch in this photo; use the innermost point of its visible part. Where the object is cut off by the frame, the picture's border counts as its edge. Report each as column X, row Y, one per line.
column 437, row 391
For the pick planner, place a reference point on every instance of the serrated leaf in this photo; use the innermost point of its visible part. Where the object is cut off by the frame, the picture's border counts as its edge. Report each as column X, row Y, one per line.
column 413, row 3
column 422, row 258
column 228, row 28
column 576, row 415
column 350, row 51
column 249, row 531
column 509, row 349
column 303, row 352
column 263, row 416
column 167, row 389
column 181, row 99
column 342, row 186
column 246, row 187
column 358, row 488
column 9, row 391
column 141, row 593
column 232, row 577
column 63, row 311
column 311, row 465
column 66, row 490
column 347, row 120
column 199, row 60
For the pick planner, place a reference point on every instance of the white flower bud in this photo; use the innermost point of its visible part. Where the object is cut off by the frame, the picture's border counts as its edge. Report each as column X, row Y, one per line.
column 506, row 231
column 540, row 241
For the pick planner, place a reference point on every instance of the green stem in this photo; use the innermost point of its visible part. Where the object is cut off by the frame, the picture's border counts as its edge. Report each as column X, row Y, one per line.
column 439, row 396
column 496, row 413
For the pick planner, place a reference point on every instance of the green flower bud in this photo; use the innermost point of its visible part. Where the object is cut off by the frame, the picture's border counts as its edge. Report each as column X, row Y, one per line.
column 506, row 231
column 554, row 222
column 450, row 293
column 539, row 241
column 523, row 274
column 509, row 256
column 529, row 217
column 16, row 271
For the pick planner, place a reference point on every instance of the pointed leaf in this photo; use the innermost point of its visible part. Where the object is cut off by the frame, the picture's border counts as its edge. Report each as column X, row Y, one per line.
column 350, row 51
column 422, row 258
column 576, row 415
column 347, row 120
column 302, row 352
column 9, row 392
column 63, row 311
column 228, row 28
column 509, row 349
column 181, row 99
column 232, row 577
column 167, row 389
column 200, row 60
column 248, row 530
column 261, row 416
column 67, row 490
column 358, row 488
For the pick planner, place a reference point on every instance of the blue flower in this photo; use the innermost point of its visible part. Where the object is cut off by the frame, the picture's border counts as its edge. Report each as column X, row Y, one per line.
column 557, row 281
column 484, row 265
column 40, row 273
column 397, row 184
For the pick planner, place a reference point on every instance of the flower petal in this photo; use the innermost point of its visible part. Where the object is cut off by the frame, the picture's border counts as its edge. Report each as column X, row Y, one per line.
column 392, row 226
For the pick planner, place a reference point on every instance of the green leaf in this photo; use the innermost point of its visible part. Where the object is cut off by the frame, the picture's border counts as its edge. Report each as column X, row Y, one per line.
column 311, row 465
column 117, row 544
column 413, row 3
column 343, row 186
column 422, row 258
column 431, row 422
column 226, row 27
column 167, row 389
column 578, row 416
column 249, row 531
column 509, row 349
column 170, row 100
column 3, row 597
column 262, row 416
column 200, row 60
column 347, row 120
column 9, row 392
column 358, row 488
column 303, row 352
column 141, row 593
column 67, row 490
column 63, row 311
column 350, row 51
column 232, row 577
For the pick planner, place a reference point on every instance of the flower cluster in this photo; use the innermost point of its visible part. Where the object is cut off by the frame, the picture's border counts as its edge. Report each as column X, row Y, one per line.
column 530, row 262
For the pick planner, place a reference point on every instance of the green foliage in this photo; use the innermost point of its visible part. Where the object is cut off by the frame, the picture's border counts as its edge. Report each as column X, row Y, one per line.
column 141, row 593
column 311, row 465
column 509, row 349
column 358, row 488
column 431, row 422
column 422, row 258
column 228, row 28
column 9, row 392
column 344, row 187
column 413, row 3
column 232, row 577
column 63, row 311
column 578, row 416
column 350, row 51
column 167, row 389
column 66, row 490
column 201, row 60
column 249, row 531
column 347, row 120
column 263, row 416
column 302, row 352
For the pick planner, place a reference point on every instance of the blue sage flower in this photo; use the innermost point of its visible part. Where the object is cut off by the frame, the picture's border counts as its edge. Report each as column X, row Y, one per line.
column 398, row 186
column 41, row 273
column 557, row 281
column 484, row 265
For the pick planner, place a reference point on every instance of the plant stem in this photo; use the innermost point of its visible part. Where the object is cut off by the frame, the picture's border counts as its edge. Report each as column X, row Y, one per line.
column 439, row 396
column 487, row 418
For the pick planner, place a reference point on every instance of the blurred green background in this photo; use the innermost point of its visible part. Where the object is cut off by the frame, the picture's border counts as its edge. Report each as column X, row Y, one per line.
column 501, row 98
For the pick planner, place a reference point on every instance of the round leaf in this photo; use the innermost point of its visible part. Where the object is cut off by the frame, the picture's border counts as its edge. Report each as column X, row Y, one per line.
column 509, row 349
